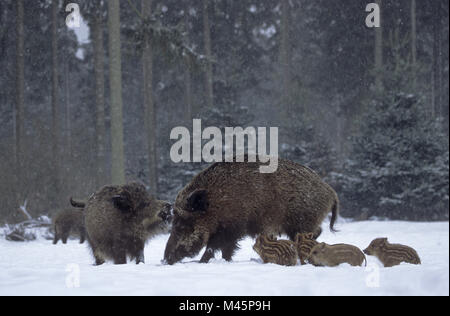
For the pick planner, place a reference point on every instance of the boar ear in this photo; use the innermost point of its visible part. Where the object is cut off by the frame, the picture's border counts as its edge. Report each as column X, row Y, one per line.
column 197, row 201
column 122, row 202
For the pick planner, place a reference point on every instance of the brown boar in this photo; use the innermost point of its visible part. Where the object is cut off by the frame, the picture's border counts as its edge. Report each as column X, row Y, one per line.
column 391, row 254
column 334, row 255
column 68, row 222
column 271, row 250
column 228, row 201
column 304, row 243
column 120, row 219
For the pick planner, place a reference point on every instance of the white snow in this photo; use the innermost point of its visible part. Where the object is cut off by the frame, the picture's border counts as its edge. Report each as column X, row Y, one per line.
column 40, row 268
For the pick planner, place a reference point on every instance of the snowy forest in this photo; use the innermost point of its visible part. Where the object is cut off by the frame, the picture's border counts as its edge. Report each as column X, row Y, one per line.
column 86, row 105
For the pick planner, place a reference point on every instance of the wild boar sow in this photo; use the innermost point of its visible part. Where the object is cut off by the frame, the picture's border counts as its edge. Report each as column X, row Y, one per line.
column 228, row 201
column 120, row 219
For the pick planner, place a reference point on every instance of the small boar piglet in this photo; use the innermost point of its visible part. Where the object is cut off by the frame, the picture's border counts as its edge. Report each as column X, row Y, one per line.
column 334, row 255
column 304, row 243
column 271, row 250
column 391, row 254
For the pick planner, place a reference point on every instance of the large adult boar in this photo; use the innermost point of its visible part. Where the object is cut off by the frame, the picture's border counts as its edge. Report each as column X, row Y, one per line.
column 228, row 201
column 120, row 219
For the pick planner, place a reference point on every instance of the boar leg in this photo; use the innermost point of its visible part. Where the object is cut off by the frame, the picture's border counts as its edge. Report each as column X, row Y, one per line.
column 138, row 254
column 215, row 242
column 140, row 258
column 82, row 236
column 119, row 249
column 120, row 258
column 65, row 233
column 56, row 238
column 136, row 251
column 99, row 261
column 119, row 255
column 228, row 250
column 98, row 258
column 209, row 253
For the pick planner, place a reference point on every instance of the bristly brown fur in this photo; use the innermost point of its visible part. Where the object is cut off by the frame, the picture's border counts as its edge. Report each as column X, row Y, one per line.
column 392, row 254
column 271, row 250
column 68, row 222
column 228, row 201
column 120, row 219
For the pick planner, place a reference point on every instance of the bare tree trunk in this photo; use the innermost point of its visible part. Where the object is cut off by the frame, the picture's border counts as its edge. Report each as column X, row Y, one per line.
column 67, row 146
column 379, row 51
column 67, row 140
column 188, row 89
column 187, row 72
column 19, row 106
column 55, row 99
column 414, row 43
column 115, row 85
column 150, row 111
column 437, row 61
column 208, row 54
column 97, row 40
column 285, row 61
column 339, row 130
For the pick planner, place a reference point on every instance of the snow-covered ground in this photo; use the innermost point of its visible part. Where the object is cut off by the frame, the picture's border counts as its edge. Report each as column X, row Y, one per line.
column 40, row 268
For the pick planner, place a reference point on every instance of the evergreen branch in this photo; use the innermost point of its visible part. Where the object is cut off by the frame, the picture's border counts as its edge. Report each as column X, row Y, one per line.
column 135, row 9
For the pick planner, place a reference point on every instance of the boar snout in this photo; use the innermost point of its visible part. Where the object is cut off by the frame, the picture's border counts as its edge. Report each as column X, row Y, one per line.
column 166, row 213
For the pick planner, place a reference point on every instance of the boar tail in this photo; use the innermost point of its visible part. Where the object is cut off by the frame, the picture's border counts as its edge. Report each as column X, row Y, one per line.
column 334, row 213
column 77, row 204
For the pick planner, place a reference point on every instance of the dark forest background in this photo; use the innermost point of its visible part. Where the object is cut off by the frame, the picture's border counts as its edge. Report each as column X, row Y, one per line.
column 367, row 108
